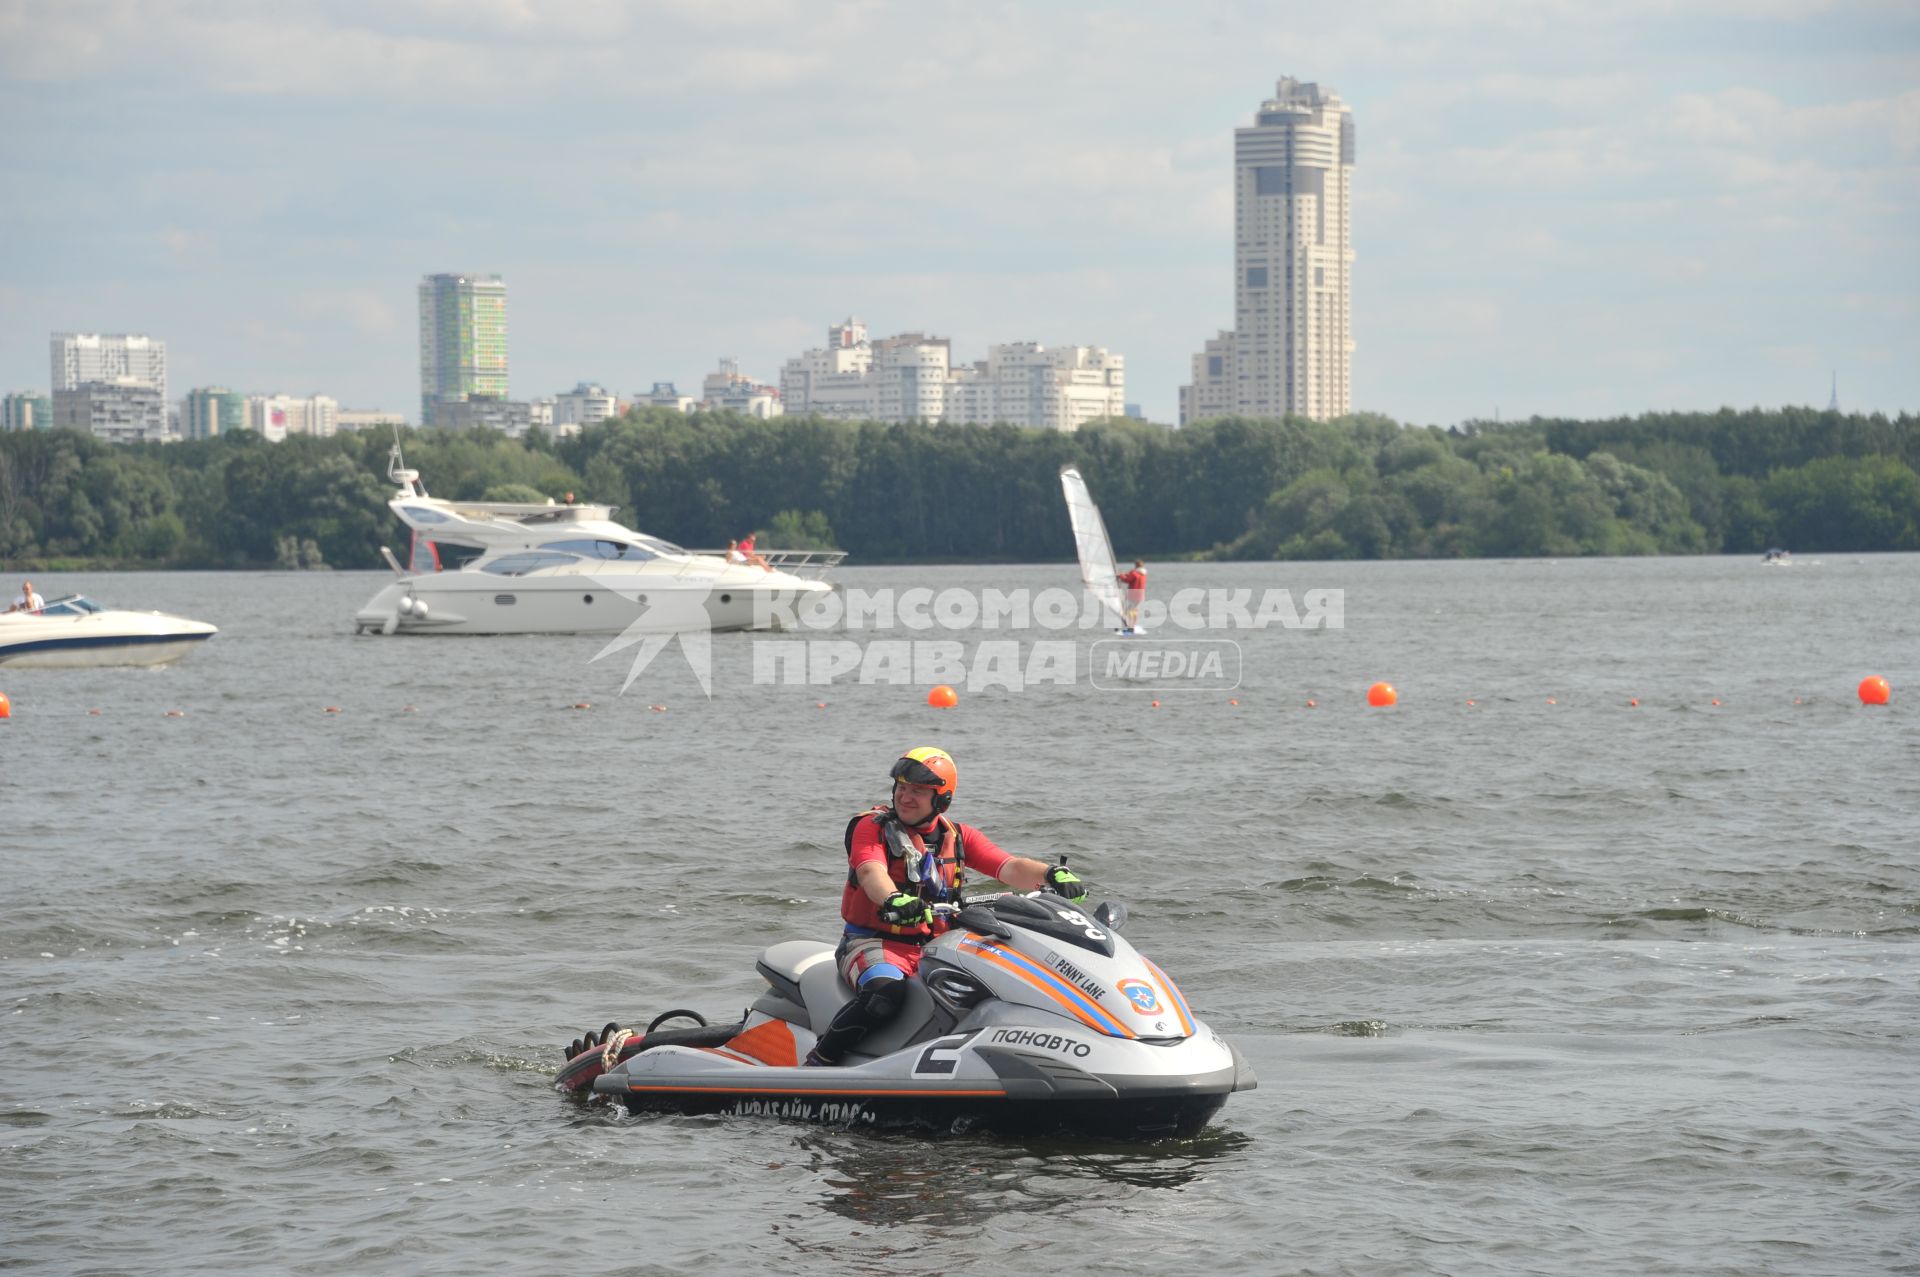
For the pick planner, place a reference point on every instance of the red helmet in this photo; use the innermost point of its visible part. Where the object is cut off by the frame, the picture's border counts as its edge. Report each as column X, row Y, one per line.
column 929, row 765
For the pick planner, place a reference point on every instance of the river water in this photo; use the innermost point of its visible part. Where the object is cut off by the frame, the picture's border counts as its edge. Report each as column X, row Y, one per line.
column 1534, row 979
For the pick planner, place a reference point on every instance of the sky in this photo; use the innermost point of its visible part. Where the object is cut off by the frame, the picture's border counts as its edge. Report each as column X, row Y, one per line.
column 1560, row 208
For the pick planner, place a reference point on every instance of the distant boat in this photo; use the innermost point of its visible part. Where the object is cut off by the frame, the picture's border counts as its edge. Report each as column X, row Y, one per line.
column 502, row 567
column 1775, row 557
column 75, row 632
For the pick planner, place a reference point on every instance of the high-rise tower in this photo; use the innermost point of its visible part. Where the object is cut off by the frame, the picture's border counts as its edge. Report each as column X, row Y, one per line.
column 1291, row 348
column 463, row 339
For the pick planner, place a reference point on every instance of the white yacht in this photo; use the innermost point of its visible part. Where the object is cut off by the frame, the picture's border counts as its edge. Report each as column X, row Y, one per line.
column 494, row 567
column 73, row 631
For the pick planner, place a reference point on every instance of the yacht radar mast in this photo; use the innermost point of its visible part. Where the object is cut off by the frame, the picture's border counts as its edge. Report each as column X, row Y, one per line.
column 409, row 480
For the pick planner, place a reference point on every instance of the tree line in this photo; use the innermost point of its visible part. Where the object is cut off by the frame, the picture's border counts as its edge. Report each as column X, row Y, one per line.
column 1360, row 487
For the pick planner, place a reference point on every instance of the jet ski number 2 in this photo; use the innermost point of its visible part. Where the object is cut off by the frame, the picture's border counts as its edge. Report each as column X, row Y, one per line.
column 1001, row 1030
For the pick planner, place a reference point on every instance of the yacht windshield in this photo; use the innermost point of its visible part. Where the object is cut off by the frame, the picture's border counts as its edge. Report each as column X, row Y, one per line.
column 530, row 561
column 602, row 548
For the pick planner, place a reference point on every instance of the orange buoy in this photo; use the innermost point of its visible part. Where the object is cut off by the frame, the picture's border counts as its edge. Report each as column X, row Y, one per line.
column 658, row 709
column 333, row 709
column 943, row 697
column 6, row 706
column 1313, row 704
column 1875, row 690
column 1233, row 700
column 1551, row 701
column 1382, row 694
column 408, row 709
column 1634, row 701
column 1716, row 700
column 93, row 713
column 583, row 704
column 819, row 704
column 1470, row 701
column 176, row 713
column 1156, row 705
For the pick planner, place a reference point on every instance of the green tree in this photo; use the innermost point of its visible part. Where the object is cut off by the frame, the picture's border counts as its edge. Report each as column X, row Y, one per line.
column 798, row 530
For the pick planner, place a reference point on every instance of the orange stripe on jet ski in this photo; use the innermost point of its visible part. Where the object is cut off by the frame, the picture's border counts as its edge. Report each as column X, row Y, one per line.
column 770, row 1042
column 725, row 1054
column 1083, row 1008
column 1173, row 996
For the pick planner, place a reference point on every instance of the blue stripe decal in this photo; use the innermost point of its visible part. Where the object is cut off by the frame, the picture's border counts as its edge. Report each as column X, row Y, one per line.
column 1092, row 1008
column 1174, row 989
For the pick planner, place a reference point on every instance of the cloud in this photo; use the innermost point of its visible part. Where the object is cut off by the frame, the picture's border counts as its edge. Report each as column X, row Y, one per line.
column 364, row 311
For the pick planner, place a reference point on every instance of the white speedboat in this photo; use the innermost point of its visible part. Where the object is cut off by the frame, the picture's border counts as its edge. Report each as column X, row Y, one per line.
column 496, row 567
column 74, row 631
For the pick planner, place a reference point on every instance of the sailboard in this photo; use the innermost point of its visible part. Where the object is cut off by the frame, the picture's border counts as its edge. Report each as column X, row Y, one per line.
column 1097, row 570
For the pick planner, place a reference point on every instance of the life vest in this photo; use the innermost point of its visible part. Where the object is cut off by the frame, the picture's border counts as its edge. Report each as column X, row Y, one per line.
column 932, row 874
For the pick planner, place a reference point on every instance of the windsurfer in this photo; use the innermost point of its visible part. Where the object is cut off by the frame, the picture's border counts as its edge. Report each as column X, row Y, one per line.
column 1136, row 583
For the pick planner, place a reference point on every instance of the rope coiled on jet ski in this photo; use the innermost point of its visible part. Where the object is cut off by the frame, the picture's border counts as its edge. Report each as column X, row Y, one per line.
column 610, row 1052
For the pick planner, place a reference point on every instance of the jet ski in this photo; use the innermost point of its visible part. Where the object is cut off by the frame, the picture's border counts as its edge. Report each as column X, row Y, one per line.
column 1029, row 1016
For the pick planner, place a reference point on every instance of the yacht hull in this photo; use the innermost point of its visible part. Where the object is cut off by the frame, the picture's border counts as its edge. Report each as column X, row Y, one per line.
column 503, row 567
column 454, row 603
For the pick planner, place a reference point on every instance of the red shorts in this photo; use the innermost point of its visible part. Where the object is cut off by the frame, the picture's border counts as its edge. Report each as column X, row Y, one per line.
column 859, row 955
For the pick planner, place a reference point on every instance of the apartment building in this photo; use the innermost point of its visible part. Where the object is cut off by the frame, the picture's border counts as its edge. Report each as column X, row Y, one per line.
column 122, row 410
column 912, row 377
column 463, row 340
column 78, row 358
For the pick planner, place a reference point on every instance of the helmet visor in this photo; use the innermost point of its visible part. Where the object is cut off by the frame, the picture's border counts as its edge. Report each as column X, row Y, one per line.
column 915, row 772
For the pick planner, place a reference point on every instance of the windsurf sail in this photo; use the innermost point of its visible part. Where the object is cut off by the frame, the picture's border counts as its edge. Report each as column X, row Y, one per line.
column 1097, row 570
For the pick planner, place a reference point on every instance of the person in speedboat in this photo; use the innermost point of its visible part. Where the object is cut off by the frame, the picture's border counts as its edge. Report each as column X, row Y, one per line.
column 901, row 860
column 27, row 600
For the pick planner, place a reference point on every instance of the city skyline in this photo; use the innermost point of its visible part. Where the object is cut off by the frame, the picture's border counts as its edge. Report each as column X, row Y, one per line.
column 1557, row 210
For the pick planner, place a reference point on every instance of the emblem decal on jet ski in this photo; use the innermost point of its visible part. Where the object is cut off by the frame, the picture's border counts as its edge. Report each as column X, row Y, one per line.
column 1140, row 993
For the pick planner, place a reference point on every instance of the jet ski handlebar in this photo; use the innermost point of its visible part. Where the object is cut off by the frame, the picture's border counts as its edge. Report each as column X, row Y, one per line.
column 974, row 916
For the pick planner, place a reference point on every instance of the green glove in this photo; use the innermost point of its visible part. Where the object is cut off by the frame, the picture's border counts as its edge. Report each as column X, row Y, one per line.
column 1064, row 881
column 903, row 909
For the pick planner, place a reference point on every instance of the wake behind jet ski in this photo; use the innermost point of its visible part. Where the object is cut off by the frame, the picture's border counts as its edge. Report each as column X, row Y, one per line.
column 1028, row 1016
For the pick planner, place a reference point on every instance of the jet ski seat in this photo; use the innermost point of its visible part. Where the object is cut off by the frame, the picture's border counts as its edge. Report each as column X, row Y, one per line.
column 825, row 993
column 783, row 966
column 804, row 985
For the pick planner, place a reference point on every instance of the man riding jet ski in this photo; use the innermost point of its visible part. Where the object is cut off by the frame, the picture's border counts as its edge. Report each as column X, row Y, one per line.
column 1018, row 1012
